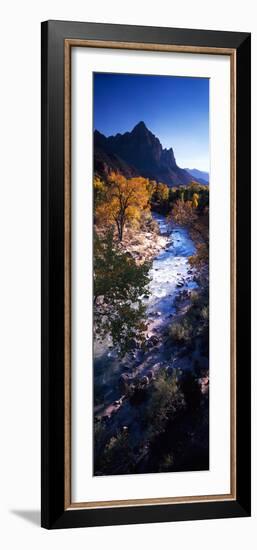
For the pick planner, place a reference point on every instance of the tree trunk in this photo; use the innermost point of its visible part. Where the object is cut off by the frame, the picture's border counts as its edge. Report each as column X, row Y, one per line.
column 120, row 230
column 121, row 233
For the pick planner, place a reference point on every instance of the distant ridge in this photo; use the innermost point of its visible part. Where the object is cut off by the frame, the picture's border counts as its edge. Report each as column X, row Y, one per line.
column 202, row 177
column 138, row 153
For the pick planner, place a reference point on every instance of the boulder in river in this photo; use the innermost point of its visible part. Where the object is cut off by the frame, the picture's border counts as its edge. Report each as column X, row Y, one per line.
column 144, row 381
column 117, row 402
column 153, row 341
column 99, row 300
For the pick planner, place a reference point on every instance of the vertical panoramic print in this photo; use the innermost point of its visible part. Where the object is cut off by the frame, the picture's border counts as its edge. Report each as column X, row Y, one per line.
column 151, row 274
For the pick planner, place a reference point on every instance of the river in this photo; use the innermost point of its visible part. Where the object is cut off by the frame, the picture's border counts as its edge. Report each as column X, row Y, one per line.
column 170, row 274
column 170, row 271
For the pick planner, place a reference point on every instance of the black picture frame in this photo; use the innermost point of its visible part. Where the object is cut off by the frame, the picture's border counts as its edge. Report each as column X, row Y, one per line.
column 54, row 514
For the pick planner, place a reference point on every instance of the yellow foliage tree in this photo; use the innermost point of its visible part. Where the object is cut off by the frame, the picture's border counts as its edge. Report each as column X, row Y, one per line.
column 195, row 200
column 99, row 191
column 183, row 213
column 162, row 192
column 125, row 201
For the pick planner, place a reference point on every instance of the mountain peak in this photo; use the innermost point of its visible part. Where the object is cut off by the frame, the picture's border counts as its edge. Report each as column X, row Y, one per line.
column 140, row 126
column 139, row 153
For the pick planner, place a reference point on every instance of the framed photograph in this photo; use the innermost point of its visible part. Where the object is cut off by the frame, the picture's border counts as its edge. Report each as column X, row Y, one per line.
column 145, row 274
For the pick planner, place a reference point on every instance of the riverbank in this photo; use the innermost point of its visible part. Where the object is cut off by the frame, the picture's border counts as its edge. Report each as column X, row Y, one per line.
column 143, row 246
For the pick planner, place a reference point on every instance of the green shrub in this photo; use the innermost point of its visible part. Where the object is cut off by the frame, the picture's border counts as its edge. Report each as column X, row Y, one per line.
column 205, row 313
column 180, row 332
column 117, row 456
column 165, row 401
column 194, row 296
column 166, row 463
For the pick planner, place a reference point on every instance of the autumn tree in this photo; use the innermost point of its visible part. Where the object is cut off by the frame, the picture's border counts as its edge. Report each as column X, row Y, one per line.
column 151, row 187
column 161, row 192
column 124, row 202
column 160, row 197
column 99, row 191
column 183, row 213
column 188, row 214
column 200, row 234
column 195, row 200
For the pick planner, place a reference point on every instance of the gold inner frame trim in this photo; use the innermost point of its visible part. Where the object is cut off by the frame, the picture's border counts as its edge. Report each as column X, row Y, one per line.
column 68, row 44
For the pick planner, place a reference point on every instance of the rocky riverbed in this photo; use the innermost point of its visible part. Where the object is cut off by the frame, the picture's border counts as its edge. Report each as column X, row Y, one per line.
column 171, row 282
column 144, row 246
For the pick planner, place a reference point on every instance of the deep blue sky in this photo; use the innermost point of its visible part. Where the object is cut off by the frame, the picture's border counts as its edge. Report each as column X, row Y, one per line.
column 175, row 109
